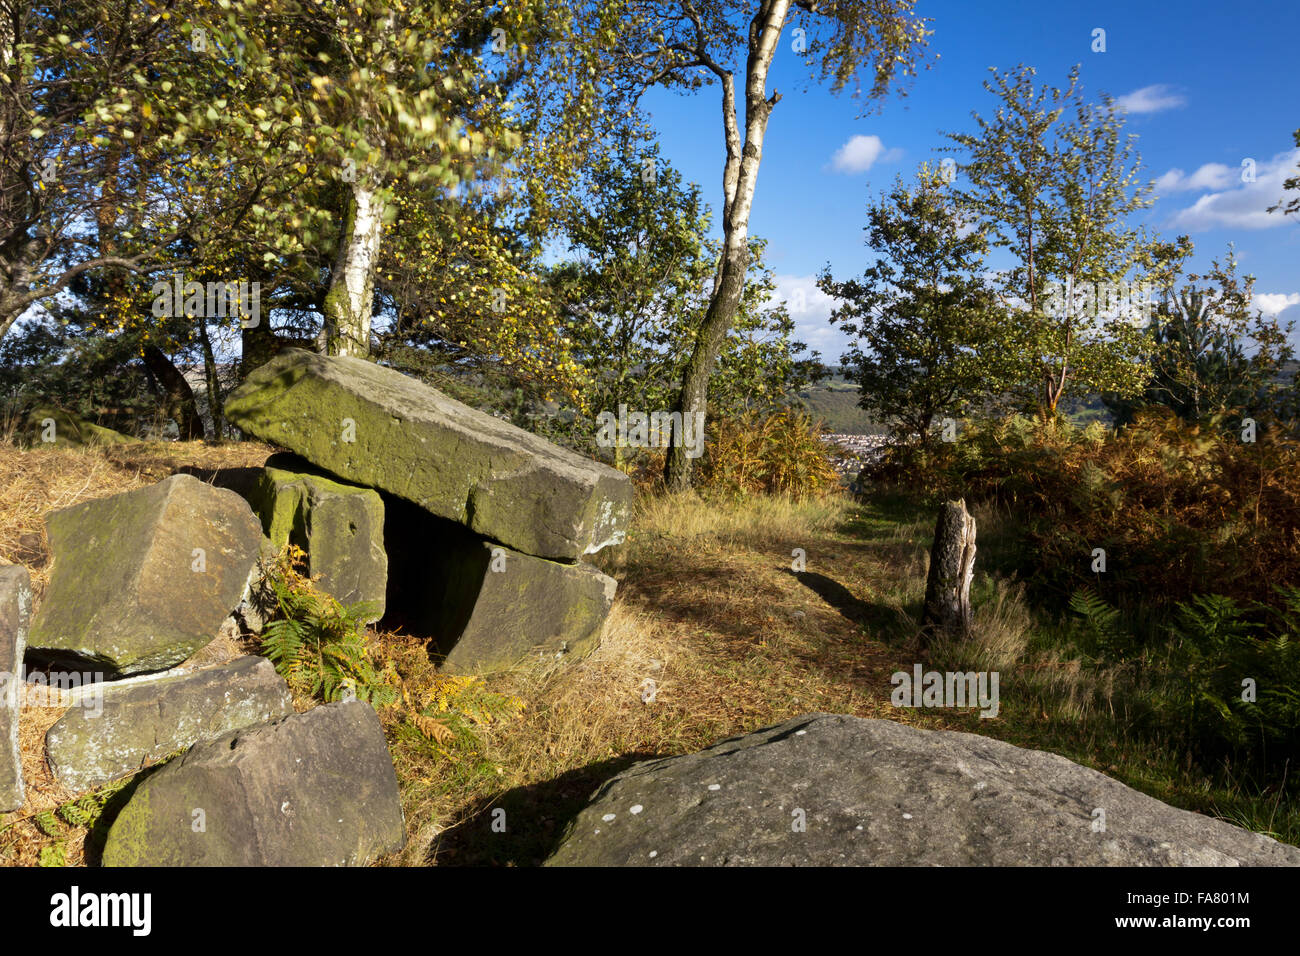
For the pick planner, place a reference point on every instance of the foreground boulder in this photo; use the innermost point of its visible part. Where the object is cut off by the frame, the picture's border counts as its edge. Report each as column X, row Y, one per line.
column 500, row 606
column 381, row 429
column 341, row 527
column 834, row 790
column 15, row 609
column 142, row 580
column 314, row 789
column 138, row 724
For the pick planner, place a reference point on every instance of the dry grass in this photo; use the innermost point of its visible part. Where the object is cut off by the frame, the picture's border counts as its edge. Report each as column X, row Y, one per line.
column 21, row 841
column 710, row 610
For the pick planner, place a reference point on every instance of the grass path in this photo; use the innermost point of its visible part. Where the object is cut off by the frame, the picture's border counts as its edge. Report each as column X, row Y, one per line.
column 711, row 610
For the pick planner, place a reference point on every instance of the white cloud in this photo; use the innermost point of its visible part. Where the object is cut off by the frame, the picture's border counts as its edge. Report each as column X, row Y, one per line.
column 1271, row 303
column 860, row 153
column 811, row 309
column 1150, row 99
column 1242, row 205
column 1209, row 176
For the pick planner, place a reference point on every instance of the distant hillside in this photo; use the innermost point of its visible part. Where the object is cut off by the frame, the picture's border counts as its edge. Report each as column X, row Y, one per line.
column 835, row 402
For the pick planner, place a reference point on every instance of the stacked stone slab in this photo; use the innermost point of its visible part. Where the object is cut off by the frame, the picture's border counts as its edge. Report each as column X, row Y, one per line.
column 339, row 526
column 499, row 606
column 140, row 582
column 136, row 724
column 143, row 579
column 541, row 507
column 15, row 610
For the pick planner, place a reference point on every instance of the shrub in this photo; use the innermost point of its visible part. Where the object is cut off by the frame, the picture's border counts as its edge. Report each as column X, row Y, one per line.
column 778, row 454
column 1193, row 683
column 324, row 652
column 1179, row 510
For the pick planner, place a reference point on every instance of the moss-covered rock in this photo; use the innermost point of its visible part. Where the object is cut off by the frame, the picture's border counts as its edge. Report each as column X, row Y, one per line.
column 142, row 580
column 15, row 613
column 47, row 425
column 499, row 606
column 137, row 724
column 381, row 429
column 340, row 526
column 313, row 789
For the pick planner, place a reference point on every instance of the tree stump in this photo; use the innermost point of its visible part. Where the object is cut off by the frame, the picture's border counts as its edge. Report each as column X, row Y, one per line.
column 952, row 567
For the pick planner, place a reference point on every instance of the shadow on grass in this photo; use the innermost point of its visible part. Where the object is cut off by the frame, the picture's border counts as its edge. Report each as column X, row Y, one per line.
column 535, row 818
column 881, row 621
column 834, row 594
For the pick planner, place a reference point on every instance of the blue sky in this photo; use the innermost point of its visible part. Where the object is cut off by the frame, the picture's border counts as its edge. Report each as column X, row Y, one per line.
column 1207, row 87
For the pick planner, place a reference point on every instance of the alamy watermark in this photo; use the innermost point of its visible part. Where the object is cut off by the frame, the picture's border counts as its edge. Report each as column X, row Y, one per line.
column 73, row 909
column 948, row 689
column 1131, row 302
column 651, row 430
column 54, row 689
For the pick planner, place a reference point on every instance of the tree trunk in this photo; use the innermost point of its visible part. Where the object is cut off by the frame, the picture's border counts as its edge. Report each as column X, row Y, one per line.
column 17, row 203
column 348, row 302
column 739, row 178
column 213, row 383
column 952, row 567
column 178, row 400
column 694, row 395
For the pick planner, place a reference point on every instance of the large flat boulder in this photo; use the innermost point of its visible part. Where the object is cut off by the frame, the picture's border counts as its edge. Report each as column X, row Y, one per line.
column 826, row 790
column 314, row 789
column 500, row 606
column 140, row 723
column 143, row 579
column 339, row 526
column 15, row 613
column 381, row 429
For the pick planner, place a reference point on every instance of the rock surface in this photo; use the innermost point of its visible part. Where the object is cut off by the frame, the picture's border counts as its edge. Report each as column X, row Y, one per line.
column 341, row 527
column 143, row 579
column 15, row 612
column 381, row 429
column 826, row 789
column 500, row 606
column 141, row 723
column 314, row 789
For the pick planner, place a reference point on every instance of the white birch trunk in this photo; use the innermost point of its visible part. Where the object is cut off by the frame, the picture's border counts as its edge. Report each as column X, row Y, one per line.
column 348, row 302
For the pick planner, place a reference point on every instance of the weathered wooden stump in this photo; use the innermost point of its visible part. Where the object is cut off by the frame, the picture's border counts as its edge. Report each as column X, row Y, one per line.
column 952, row 567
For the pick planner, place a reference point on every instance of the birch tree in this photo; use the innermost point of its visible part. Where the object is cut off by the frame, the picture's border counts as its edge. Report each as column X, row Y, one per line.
column 362, row 92
column 1053, row 180
column 688, row 44
column 409, row 97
